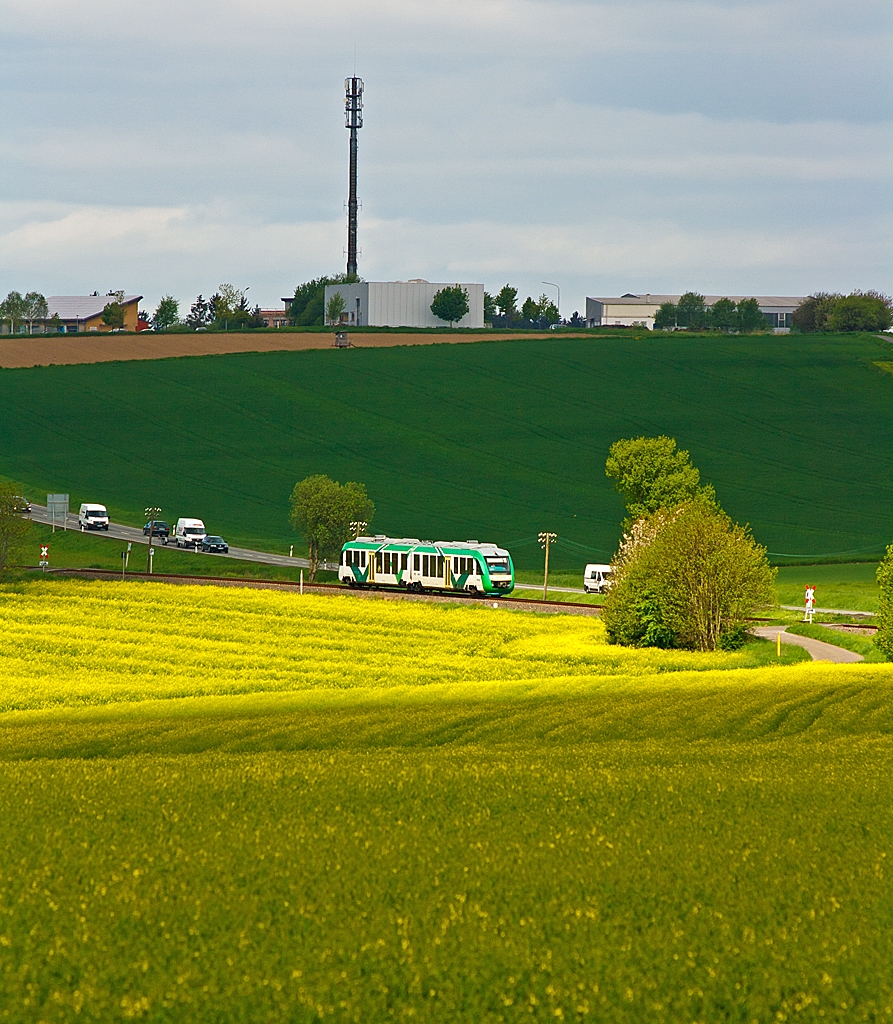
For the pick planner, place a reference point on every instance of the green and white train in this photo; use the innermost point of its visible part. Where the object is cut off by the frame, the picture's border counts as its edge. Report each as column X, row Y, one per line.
column 467, row 567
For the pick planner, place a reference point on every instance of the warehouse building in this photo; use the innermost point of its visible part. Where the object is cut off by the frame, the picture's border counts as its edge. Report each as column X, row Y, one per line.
column 626, row 310
column 401, row 303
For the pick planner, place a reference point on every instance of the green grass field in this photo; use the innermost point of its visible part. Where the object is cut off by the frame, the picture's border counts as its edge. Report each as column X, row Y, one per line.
column 313, row 808
column 851, row 586
column 496, row 440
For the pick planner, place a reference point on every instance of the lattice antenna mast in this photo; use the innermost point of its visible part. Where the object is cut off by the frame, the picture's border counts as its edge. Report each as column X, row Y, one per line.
column 353, row 119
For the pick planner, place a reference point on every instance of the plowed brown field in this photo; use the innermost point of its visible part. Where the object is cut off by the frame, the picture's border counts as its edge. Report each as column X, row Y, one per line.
column 60, row 350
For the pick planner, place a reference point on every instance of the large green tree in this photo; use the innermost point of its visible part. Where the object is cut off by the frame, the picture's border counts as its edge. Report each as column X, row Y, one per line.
column 651, row 473
column 35, row 309
column 686, row 577
column 12, row 310
column 691, row 311
column 724, row 315
column 113, row 315
column 750, row 317
column 322, row 511
column 811, row 316
column 506, row 300
column 450, row 304
column 665, row 317
column 861, row 311
column 307, row 308
column 167, row 314
column 14, row 526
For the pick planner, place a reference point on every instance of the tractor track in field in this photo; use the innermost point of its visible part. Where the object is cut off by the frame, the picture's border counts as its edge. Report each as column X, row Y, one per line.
column 517, row 603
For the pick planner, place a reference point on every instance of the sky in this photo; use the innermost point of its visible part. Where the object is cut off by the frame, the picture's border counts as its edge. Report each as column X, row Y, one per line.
column 724, row 146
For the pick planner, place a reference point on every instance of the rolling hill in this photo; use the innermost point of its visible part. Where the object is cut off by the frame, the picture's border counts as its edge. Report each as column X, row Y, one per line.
column 495, row 440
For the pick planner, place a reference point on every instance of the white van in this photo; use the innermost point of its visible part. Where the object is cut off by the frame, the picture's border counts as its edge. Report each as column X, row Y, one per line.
column 93, row 517
column 596, row 578
column 188, row 533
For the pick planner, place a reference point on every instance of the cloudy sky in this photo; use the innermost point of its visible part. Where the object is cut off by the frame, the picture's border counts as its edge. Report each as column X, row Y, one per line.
column 721, row 145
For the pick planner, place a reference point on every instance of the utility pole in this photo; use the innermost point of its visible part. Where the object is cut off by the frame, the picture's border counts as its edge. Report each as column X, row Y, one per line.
column 546, row 541
column 356, row 528
column 353, row 119
column 151, row 514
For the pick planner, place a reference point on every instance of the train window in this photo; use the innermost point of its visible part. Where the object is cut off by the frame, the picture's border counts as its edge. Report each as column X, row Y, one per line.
column 404, row 561
column 418, row 562
column 362, row 559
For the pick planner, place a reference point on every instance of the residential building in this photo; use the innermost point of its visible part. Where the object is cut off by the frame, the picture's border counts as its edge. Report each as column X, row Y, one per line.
column 81, row 313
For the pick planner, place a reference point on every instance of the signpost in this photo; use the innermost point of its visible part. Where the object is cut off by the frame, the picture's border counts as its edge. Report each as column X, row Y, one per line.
column 44, row 556
column 57, row 508
column 810, row 602
column 125, row 559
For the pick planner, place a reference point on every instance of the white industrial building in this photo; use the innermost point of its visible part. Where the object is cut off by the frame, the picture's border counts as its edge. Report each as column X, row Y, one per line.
column 402, row 303
column 629, row 309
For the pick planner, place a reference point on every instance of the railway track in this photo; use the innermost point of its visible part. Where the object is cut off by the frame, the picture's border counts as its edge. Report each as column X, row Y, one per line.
column 517, row 603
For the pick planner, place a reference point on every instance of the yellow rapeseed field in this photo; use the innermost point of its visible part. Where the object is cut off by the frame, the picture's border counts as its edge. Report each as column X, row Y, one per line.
column 248, row 806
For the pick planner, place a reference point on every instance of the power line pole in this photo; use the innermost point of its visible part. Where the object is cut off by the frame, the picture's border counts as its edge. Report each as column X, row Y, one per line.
column 546, row 541
column 151, row 514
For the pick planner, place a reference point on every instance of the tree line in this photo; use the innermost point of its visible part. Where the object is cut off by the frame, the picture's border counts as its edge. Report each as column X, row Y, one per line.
column 834, row 313
column 692, row 313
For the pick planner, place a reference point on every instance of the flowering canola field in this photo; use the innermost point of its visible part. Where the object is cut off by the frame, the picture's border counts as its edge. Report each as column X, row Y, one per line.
column 250, row 806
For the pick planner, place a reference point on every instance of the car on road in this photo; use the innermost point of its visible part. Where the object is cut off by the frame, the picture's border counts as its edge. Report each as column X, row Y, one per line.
column 93, row 517
column 158, row 527
column 214, row 543
column 21, row 505
column 597, row 578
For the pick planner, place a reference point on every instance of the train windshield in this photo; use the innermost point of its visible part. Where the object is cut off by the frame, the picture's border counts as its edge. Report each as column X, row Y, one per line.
column 499, row 564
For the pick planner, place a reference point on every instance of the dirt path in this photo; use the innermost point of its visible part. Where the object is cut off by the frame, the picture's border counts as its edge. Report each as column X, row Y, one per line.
column 67, row 349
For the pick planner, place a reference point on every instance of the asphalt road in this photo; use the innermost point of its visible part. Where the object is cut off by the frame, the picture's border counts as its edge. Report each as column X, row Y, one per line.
column 818, row 649
column 135, row 535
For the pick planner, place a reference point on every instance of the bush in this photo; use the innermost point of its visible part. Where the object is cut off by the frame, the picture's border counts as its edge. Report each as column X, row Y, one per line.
column 884, row 636
column 686, row 577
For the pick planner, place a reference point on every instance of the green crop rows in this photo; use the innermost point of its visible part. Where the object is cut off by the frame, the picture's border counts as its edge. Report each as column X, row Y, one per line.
column 240, row 806
column 495, row 440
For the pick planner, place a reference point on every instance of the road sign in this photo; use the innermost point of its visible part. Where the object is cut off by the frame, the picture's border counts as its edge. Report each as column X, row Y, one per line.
column 44, row 556
column 57, row 510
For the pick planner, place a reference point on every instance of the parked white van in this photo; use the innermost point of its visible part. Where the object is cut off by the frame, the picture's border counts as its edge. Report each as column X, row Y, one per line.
column 596, row 578
column 188, row 533
column 93, row 517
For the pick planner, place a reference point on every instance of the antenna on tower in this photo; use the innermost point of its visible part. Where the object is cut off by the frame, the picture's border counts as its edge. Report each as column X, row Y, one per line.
column 353, row 119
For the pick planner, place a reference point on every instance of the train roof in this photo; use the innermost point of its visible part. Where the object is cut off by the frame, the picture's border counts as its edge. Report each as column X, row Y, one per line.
column 449, row 545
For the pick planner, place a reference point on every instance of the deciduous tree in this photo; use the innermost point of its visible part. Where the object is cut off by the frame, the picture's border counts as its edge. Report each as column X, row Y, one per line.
column 861, row 311
column 335, row 307
column 322, row 510
column 14, row 526
column 686, row 577
column 113, row 314
column 167, row 314
column 811, row 316
column 750, row 317
column 651, row 473
column 35, row 308
column 450, row 304
column 505, row 303
column 691, row 311
column 724, row 315
column 665, row 317
column 12, row 310
column 884, row 636
column 200, row 314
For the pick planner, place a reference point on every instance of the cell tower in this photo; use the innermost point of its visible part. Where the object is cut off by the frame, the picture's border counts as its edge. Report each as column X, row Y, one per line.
column 353, row 119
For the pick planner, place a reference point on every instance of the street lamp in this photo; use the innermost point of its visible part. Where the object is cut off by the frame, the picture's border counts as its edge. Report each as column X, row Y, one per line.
column 553, row 285
column 151, row 514
column 546, row 541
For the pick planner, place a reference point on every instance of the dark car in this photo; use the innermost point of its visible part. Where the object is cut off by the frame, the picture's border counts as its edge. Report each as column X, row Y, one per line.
column 212, row 543
column 158, row 527
column 21, row 505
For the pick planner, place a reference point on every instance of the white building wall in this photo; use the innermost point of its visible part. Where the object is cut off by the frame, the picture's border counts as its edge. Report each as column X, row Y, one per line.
column 404, row 303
